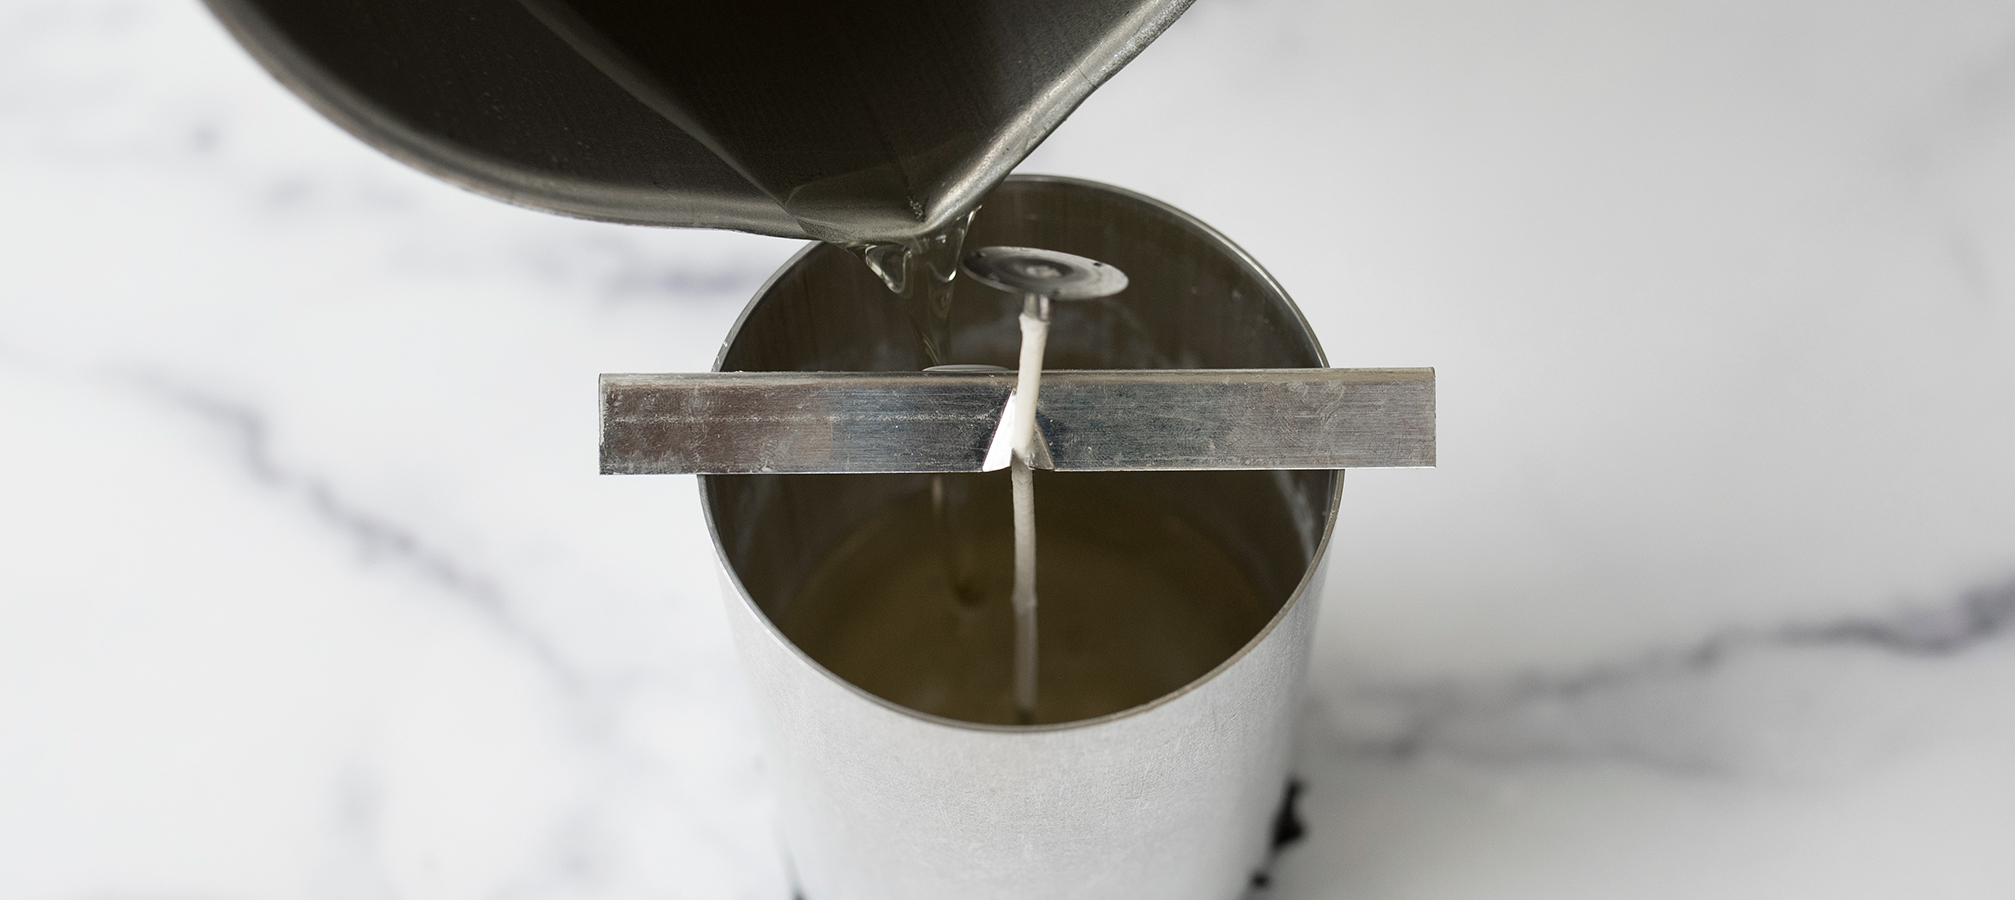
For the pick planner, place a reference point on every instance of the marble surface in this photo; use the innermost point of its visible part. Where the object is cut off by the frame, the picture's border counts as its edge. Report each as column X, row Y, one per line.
column 308, row 588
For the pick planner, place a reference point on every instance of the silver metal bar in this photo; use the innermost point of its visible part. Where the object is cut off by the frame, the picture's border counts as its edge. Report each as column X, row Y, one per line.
column 734, row 423
column 1238, row 419
column 729, row 423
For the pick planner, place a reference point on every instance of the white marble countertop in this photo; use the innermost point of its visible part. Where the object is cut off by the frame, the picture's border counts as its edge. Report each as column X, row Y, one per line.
column 308, row 588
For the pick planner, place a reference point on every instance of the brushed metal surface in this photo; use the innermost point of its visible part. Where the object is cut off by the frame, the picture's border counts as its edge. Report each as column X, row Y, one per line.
column 747, row 422
column 1238, row 419
column 1170, row 800
column 1090, row 421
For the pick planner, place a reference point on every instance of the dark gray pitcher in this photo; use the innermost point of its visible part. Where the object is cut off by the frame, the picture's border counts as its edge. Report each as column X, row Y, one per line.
column 850, row 122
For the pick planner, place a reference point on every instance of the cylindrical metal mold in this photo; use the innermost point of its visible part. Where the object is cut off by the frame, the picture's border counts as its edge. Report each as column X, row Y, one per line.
column 1169, row 799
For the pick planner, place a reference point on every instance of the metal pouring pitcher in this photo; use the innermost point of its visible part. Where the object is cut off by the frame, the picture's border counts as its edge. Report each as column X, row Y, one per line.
column 849, row 122
column 1171, row 799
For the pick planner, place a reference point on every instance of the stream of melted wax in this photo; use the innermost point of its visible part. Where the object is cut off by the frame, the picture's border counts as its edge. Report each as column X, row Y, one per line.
column 922, row 273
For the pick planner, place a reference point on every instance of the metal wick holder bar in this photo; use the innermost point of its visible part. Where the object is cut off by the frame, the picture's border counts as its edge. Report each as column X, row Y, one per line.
column 732, row 423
